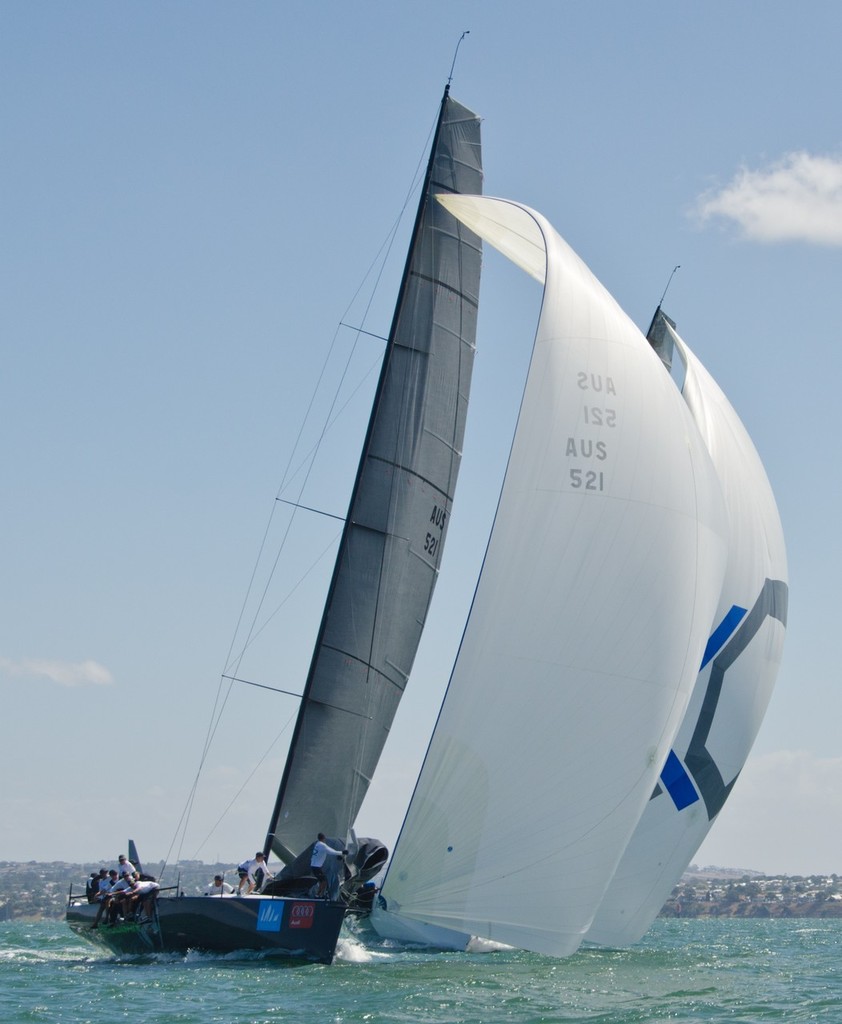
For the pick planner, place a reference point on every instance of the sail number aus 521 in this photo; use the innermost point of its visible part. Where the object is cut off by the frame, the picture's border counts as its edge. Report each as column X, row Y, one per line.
column 438, row 517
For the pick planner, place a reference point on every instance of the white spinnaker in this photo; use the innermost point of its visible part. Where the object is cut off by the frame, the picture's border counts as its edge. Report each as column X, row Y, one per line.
column 733, row 687
column 599, row 583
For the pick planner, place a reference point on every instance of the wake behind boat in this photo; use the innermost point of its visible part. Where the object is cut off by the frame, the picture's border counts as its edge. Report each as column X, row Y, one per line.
column 385, row 572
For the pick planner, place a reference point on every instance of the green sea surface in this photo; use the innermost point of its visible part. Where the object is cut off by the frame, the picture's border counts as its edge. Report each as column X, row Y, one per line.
column 684, row 971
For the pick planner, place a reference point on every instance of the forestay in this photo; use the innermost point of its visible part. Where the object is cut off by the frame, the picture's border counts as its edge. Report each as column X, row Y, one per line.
column 735, row 681
column 600, row 581
column 392, row 543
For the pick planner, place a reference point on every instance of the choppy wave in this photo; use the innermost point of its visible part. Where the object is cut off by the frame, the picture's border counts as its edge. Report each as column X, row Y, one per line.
column 684, row 972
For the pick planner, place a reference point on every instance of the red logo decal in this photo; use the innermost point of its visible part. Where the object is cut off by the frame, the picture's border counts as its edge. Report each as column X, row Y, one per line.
column 301, row 915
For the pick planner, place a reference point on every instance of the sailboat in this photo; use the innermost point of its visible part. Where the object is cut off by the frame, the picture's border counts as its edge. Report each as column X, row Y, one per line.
column 610, row 563
column 385, row 572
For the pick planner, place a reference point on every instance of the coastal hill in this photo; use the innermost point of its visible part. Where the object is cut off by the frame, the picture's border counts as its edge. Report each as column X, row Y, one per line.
column 723, row 892
column 35, row 889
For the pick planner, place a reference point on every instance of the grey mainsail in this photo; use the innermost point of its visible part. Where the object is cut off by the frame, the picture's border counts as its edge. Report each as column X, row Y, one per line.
column 391, row 546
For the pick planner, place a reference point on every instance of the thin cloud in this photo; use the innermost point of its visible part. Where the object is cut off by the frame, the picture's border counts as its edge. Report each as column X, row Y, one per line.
column 65, row 673
column 797, row 199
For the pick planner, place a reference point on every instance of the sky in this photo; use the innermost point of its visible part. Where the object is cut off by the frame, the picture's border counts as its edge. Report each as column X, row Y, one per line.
column 191, row 196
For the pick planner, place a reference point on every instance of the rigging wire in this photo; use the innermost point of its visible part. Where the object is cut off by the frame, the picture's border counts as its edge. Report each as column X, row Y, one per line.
column 332, row 414
column 232, row 661
column 244, row 786
column 310, row 455
column 257, row 631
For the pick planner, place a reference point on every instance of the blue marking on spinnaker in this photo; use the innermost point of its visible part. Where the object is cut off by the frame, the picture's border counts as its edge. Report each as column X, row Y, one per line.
column 677, row 783
column 722, row 632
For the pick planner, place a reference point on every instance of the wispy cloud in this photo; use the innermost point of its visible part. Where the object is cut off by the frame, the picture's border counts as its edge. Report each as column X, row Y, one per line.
column 799, row 198
column 65, row 673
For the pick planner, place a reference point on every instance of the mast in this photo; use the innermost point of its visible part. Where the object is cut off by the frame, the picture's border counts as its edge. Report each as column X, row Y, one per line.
column 391, row 543
column 658, row 336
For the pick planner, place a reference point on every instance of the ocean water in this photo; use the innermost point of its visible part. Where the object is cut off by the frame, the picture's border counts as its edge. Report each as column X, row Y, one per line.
column 686, row 972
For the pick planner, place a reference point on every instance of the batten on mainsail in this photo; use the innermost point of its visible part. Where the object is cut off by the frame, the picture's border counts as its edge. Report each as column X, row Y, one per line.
column 602, row 572
column 735, row 680
column 391, row 546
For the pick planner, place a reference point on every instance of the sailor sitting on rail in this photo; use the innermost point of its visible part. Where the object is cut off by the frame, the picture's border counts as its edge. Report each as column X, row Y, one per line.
column 219, row 887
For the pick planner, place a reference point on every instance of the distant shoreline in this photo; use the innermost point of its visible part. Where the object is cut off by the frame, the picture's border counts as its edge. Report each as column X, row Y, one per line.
column 35, row 890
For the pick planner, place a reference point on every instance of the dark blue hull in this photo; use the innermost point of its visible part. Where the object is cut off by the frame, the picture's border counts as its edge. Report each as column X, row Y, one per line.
column 304, row 929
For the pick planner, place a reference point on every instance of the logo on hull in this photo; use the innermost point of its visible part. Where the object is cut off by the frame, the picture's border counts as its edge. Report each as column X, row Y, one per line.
column 270, row 915
column 301, row 915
